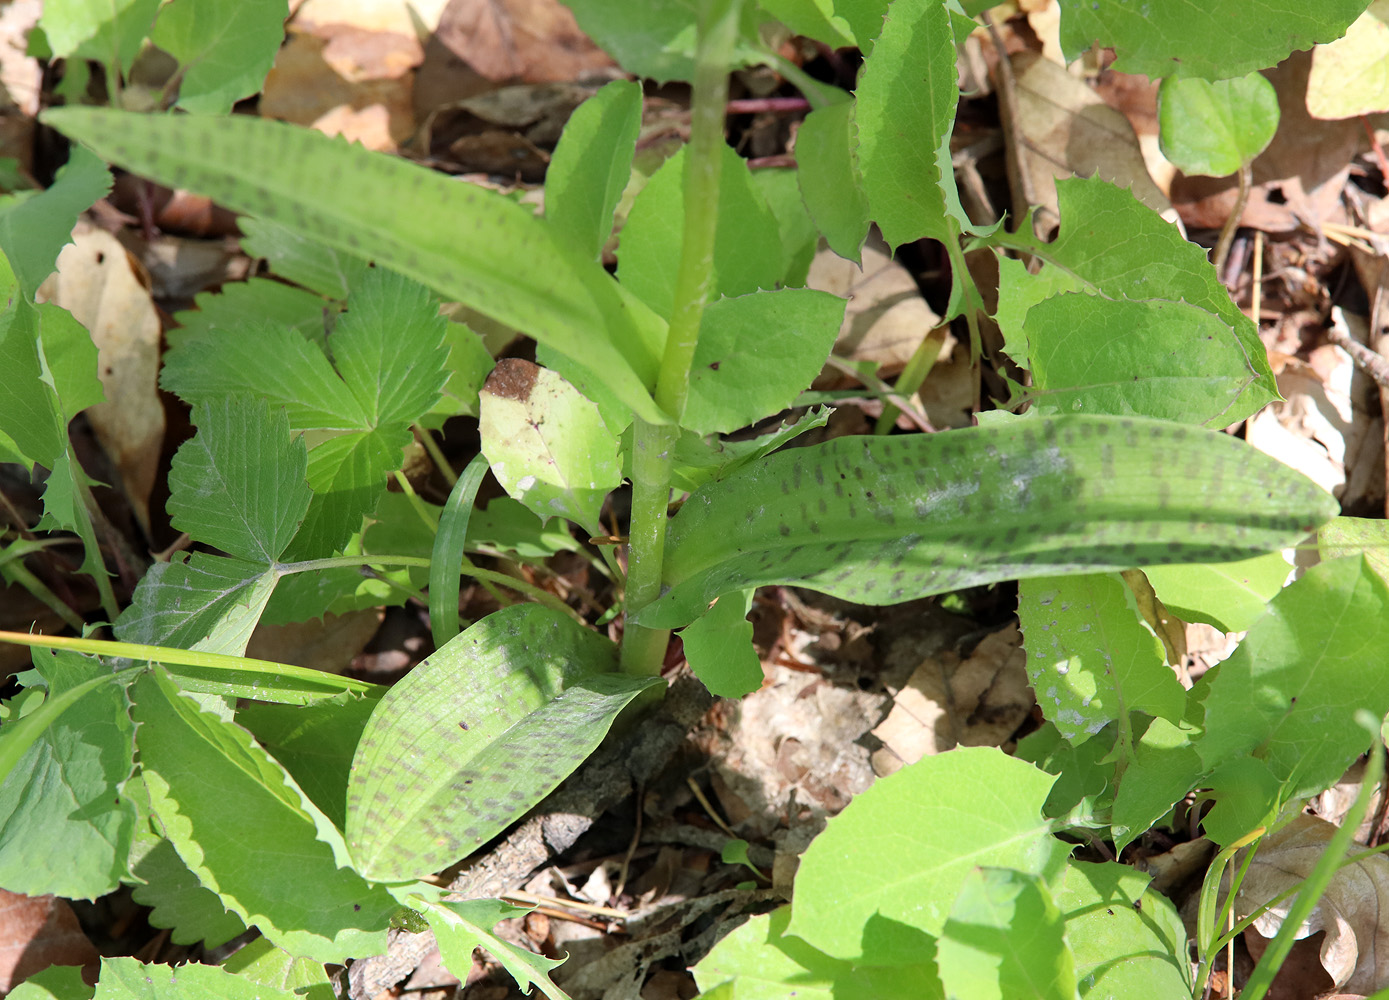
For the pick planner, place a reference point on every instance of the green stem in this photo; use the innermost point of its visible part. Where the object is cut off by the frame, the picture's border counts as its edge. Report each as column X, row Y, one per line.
column 643, row 649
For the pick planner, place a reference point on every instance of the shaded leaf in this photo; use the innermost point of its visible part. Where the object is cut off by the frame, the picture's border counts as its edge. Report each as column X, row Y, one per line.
column 591, row 166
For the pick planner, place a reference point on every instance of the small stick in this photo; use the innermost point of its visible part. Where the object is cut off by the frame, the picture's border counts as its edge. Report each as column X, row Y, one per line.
column 1256, row 292
column 1365, row 359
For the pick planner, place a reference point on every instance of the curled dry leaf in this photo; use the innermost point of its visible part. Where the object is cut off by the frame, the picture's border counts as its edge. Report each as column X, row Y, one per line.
column 1355, row 951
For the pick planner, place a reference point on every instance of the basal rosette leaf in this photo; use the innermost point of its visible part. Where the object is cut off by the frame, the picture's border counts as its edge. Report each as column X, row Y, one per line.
column 884, row 520
column 407, row 218
column 477, row 734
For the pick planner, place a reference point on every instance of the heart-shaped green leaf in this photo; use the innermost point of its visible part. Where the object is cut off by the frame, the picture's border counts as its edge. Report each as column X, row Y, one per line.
column 477, row 734
column 882, row 520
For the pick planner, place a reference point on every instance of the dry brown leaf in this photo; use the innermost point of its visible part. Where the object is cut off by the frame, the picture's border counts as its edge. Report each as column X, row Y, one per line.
column 328, row 643
column 1064, row 129
column 949, row 702
column 1309, row 428
column 305, row 89
column 1355, row 951
column 525, row 40
column 39, row 931
column 97, row 283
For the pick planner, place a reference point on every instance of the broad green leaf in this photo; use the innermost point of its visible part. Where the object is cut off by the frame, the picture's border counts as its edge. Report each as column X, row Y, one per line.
column 34, row 228
column 264, row 963
column 1230, row 596
column 297, row 258
column 884, row 520
column 865, row 17
column 176, row 900
column 1089, row 657
column 210, row 603
column 719, row 648
column 1005, row 938
column 827, row 167
column 1289, row 693
column 1174, row 361
column 1115, row 248
column 1165, row 767
column 759, row 960
column 224, row 48
column 1247, row 795
column 814, row 19
column 463, row 925
column 405, row 217
column 245, row 831
column 656, row 38
column 1216, row 128
column 1213, row 40
column 467, row 366
column 50, row 363
column 1349, row 76
column 591, row 167
column 699, row 459
column 1127, row 938
column 747, row 244
column 756, row 353
column 314, row 743
column 98, row 29
column 797, row 233
column 257, row 302
column 1083, row 793
column 547, row 445
column 65, row 826
column 475, row 735
column 238, row 484
column 904, row 114
column 57, row 982
column 935, row 822
column 130, row 979
column 1345, row 536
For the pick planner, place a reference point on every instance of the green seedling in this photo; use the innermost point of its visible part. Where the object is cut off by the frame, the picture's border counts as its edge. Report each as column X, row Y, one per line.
column 305, row 392
column 1218, row 129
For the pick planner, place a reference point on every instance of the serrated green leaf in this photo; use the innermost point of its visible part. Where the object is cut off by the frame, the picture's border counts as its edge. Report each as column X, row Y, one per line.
column 719, row 649
column 65, row 826
column 210, row 603
column 246, row 833
column 591, row 166
column 225, row 48
column 1175, row 361
column 1165, row 767
column 866, row 19
column 130, row 979
column 314, row 743
column 1213, row 40
column 1114, row 247
column 1289, row 693
column 547, row 445
column 239, row 484
column 477, row 734
column 1089, row 658
column 1005, row 937
column 740, row 374
column 262, row 962
column 98, row 29
column 249, row 304
column 944, row 816
column 50, row 365
column 33, row 229
column 1127, row 938
column 404, row 217
column 1216, row 128
column 1230, row 596
column 904, row 113
column 297, row 258
column 747, row 244
column 177, row 901
column 827, row 167
column 57, row 982
column 463, row 925
column 884, row 520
